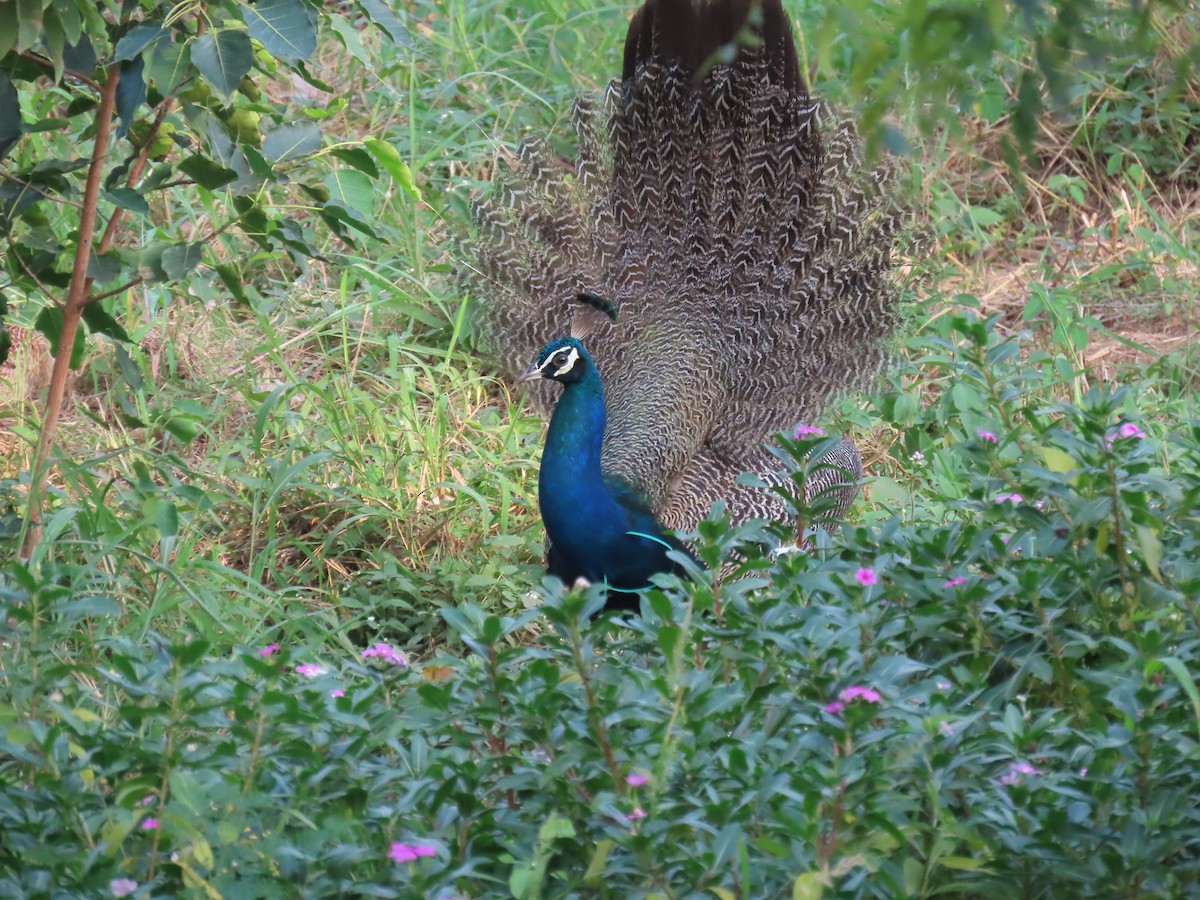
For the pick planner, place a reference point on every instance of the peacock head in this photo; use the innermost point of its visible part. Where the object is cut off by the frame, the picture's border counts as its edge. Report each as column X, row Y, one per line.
column 564, row 360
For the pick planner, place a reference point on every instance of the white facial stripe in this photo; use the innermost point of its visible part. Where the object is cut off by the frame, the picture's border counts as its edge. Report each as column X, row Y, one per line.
column 572, row 358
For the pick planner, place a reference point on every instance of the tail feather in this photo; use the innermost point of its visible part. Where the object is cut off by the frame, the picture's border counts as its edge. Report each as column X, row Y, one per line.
column 731, row 219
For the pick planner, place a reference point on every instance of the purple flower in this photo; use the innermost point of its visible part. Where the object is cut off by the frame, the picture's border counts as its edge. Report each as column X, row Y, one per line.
column 635, row 779
column 860, row 692
column 866, row 576
column 955, row 582
column 988, row 437
column 268, row 650
column 122, row 887
column 387, row 653
column 834, row 707
column 148, row 800
column 638, row 813
column 149, row 824
column 1013, row 498
column 310, row 670
column 1083, row 772
column 337, row 692
column 917, row 456
column 403, row 853
column 803, row 431
column 947, row 728
column 1129, row 430
column 1015, row 772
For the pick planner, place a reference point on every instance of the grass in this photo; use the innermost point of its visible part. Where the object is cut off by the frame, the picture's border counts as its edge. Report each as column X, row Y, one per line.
column 356, row 476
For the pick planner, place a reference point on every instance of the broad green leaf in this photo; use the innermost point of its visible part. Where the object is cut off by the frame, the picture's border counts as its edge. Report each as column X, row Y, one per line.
column 1179, row 670
column 50, row 323
column 136, row 40
column 390, row 159
column 599, row 861
column 167, row 65
column 556, row 827
column 8, row 27
column 223, row 58
column 1152, row 549
column 385, row 17
column 80, row 56
column 180, row 259
column 11, row 126
column 522, row 882
column 352, row 189
column 131, row 91
column 1056, row 460
column 287, row 29
column 99, row 321
column 207, row 173
column 808, row 886
column 295, row 140
column 128, row 198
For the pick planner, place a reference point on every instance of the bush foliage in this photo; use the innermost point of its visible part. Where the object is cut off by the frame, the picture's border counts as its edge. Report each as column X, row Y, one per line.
column 986, row 692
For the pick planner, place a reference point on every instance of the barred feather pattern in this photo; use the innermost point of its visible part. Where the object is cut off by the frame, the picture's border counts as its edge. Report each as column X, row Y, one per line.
column 747, row 247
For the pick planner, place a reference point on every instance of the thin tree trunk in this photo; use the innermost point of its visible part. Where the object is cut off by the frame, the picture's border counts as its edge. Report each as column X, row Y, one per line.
column 77, row 297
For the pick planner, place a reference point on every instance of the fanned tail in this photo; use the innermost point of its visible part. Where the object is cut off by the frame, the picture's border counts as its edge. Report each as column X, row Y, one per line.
column 732, row 220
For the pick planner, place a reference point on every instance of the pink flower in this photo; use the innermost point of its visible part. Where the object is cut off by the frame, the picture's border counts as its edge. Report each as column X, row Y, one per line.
column 955, row 582
column 834, row 707
column 387, row 653
column 149, row 824
column 635, row 779
column 859, row 692
column 268, row 650
column 866, row 576
column 1129, row 430
column 122, row 887
column 917, row 456
column 803, row 431
column 403, row 853
column 988, row 437
column 337, row 692
column 638, row 813
column 1083, row 772
column 947, row 728
column 1014, row 499
column 148, row 800
column 1014, row 773
column 309, row 670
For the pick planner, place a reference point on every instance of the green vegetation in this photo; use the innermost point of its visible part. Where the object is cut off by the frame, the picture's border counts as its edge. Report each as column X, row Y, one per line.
column 984, row 685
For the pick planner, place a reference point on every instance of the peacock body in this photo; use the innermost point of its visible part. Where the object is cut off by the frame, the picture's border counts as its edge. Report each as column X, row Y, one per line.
column 731, row 221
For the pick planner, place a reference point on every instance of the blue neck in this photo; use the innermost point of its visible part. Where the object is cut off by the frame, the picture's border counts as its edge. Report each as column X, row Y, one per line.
column 570, row 472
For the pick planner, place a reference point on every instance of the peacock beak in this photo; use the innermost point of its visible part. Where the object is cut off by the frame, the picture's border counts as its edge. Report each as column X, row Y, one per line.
column 533, row 373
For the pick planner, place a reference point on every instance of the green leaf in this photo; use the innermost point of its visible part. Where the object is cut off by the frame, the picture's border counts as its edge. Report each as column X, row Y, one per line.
column 180, row 259
column 136, row 40
column 11, row 126
column 1179, row 670
column 128, row 198
column 223, row 58
column 99, row 321
column 1057, row 461
column 287, row 29
column 50, row 323
column 390, row 159
column 295, row 140
column 386, row 18
column 352, row 189
column 599, row 862
column 207, row 173
column 8, row 26
column 167, row 65
column 808, row 886
column 232, row 279
column 1152, row 549
column 131, row 91
column 556, row 827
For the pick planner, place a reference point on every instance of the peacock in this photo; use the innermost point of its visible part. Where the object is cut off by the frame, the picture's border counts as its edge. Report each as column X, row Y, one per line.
column 716, row 265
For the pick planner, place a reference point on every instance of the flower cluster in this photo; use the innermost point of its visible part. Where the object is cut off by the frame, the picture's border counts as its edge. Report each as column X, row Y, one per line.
column 386, row 653
column 850, row 694
column 402, row 852
column 803, row 431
